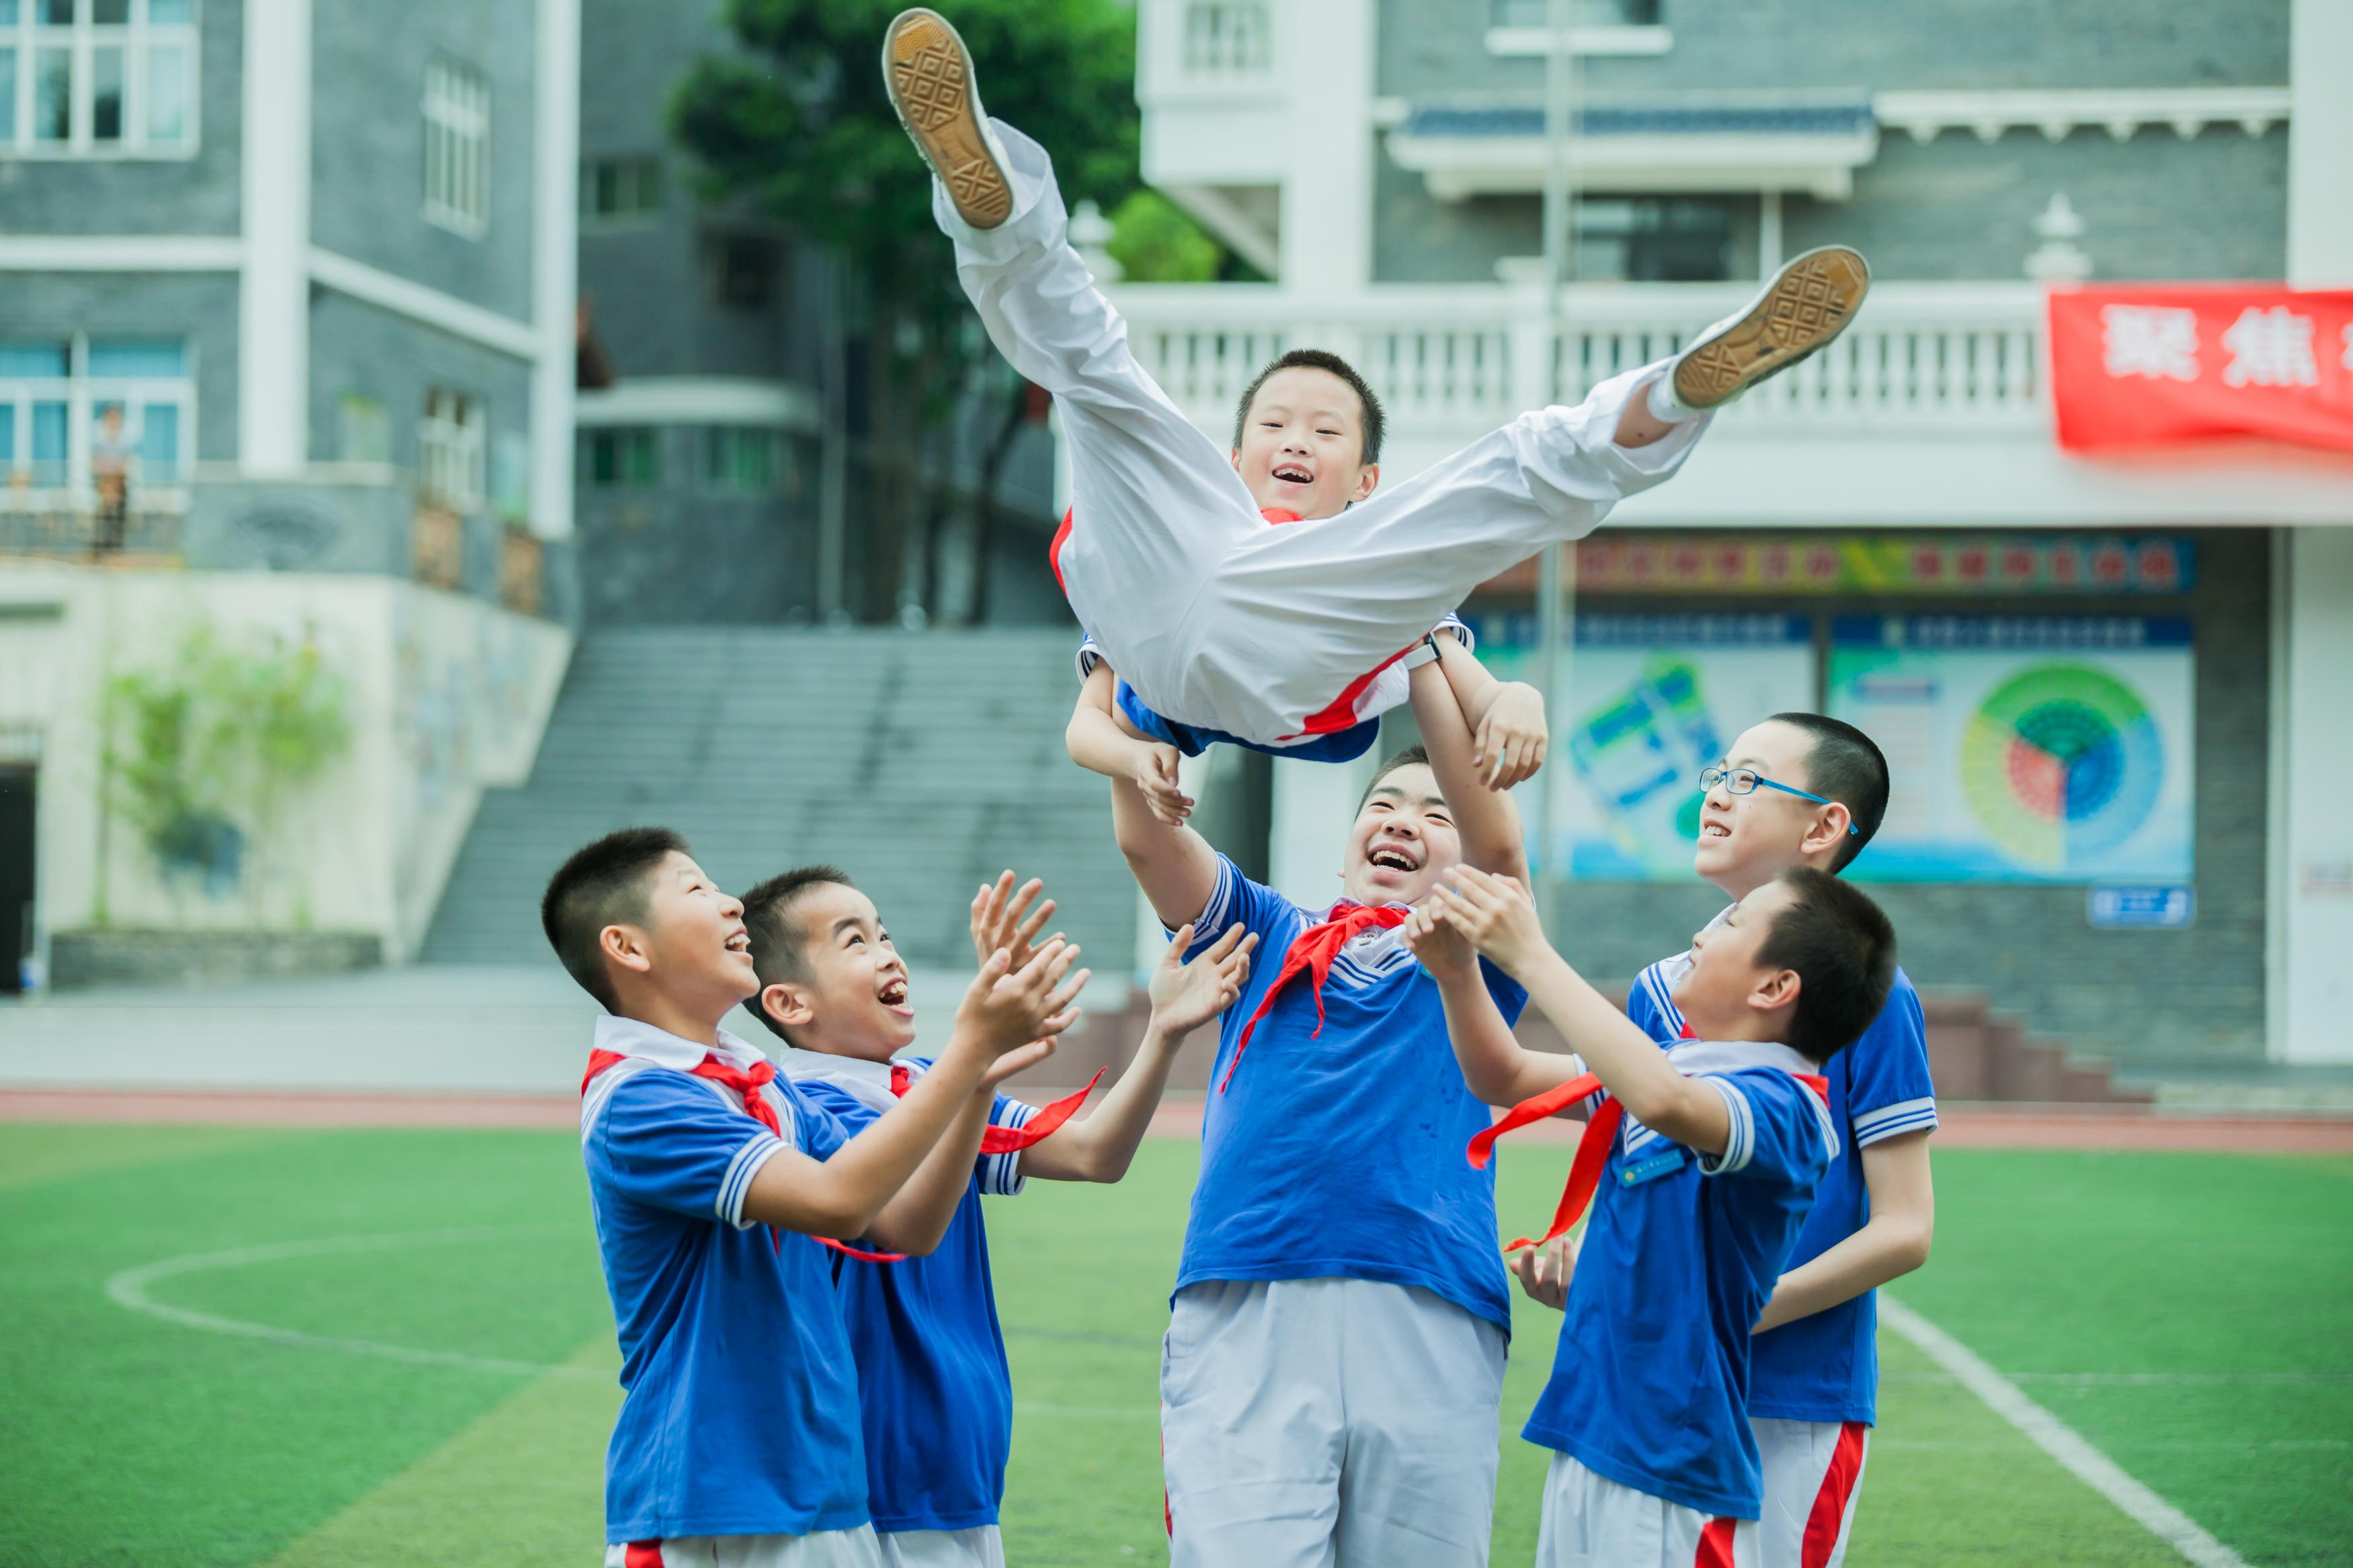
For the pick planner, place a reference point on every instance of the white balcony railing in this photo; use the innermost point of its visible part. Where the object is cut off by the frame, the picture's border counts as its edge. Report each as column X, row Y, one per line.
column 1212, row 49
column 1923, row 358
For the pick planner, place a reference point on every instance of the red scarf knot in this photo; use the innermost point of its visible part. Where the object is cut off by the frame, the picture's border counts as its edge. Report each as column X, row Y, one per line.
column 1311, row 953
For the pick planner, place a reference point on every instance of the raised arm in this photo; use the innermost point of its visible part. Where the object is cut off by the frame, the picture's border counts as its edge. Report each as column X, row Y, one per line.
column 1101, row 742
column 1487, row 819
column 1497, row 915
column 1495, row 1066
column 1184, row 997
column 1509, row 733
column 1007, row 1022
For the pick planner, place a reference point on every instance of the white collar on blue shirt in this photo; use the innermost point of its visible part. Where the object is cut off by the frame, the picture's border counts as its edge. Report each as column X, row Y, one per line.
column 634, row 1037
column 868, row 1082
column 1691, row 1057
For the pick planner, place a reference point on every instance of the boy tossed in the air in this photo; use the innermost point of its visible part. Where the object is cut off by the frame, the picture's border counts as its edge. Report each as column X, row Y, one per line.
column 1266, row 595
column 1705, row 1155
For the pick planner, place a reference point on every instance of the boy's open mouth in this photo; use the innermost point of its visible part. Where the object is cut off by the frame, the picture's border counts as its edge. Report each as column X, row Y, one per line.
column 740, row 942
column 1714, row 830
column 894, row 995
column 1390, row 859
column 1293, row 474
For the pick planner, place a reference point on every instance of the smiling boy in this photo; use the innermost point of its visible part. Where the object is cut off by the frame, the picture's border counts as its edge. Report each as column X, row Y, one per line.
column 1706, row 1156
column 935, row 1392
column 717, row 1190
column 1218, row 619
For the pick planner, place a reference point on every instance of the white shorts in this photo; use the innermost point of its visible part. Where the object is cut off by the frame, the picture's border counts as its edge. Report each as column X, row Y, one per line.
column 1592, row 1521
column 823, row 1549
column 1328, row 1424
column 1813, row 1473
column 978, row 1547
column 1216, row 617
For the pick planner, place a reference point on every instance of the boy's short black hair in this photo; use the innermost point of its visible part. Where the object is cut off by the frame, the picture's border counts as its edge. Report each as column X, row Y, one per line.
column 1411, row 756
column 1845, row 766
column 602, row 884
column 1843, row 949
column 779, row 942
column 1318, row 358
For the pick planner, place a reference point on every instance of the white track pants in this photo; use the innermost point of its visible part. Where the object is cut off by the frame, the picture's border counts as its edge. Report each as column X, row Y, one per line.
column 1813, row 1473
column 826, row 1548
column 1328, row 1424
column 1216, row 617
column 1592, row 1521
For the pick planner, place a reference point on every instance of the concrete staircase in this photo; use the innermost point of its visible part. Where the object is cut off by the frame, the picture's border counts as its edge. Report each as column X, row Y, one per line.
column 921, row 763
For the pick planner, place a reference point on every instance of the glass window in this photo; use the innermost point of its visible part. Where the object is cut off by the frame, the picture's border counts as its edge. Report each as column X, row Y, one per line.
column 136, row 357
column 457, row 147
column 111, row 13
column 166, row 11
column 7, row 439
column 366, row 429
column 57, row 12
column 7, row 88
column 106, row 95
column 741, row 459
column 33, row 360
column 159, row 441
column 167, row 93
column 624, row 458
column 52, row 95
column 8, row 13
column 48, row 444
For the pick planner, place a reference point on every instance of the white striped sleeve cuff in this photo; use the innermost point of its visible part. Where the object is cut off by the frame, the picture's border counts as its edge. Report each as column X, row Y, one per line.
column 1741, row 1143
column 1888, row 1120
column 1000, row 1174
column 737, row 1183
column 1215, row 915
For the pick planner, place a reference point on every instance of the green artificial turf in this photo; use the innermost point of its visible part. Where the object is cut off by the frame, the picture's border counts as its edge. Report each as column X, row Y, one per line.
column 135, row 1441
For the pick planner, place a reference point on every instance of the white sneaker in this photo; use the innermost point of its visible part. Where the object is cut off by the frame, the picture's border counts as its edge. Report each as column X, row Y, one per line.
column 1808, row 302
column 929, row 74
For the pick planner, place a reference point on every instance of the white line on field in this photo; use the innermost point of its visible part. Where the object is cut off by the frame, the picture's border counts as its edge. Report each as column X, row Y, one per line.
column 2059, row 1440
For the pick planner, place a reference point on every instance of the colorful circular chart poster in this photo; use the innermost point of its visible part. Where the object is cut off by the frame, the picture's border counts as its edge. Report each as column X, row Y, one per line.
column 2024, row 749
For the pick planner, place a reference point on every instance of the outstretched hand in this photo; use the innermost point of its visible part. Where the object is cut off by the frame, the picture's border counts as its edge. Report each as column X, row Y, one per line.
column 1186, row 995
column 1003, row 918
column 1509, row 744
column 1005, row 1010
column 1156, row 776
column 1497, row 914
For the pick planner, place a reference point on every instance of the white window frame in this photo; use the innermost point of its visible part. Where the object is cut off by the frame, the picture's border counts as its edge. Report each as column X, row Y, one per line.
column 453, row 449
column 455, row 109
column 643, row 174
column 83, row 396
column 137, row 38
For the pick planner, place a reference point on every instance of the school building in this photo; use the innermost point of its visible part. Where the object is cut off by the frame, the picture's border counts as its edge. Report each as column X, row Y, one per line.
column 2111, row 687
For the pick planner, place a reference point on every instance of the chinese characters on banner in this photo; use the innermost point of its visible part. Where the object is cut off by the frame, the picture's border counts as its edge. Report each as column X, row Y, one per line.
column 2137, row 365
column 1631, row 564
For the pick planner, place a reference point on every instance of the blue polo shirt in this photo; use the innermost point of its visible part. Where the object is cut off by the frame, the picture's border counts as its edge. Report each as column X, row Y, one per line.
column 1650, row 1384
column 1825, row 1367
column 936, row 1395
column 739, row 1412
column 1340, row 1155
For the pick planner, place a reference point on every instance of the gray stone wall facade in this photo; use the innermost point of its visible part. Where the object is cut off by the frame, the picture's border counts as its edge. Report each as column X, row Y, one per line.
column 2144, row 998
column 199, row 195
column 367, row 143
column 198, row 307
column 359, row 349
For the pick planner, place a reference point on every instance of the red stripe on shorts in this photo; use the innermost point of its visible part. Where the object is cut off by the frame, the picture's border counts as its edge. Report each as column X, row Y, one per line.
column 1715, row 1544
column 642, row 1554
column 1828, row 1515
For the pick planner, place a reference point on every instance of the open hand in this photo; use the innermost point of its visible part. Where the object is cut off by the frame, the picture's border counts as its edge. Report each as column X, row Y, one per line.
column 1187, row 996
column 1545, row 1272
column 1509, row 745
column 1006, row 1009
column 1155, row 775
column 1497, row 916
column 1444, row 951
column 1003, row 918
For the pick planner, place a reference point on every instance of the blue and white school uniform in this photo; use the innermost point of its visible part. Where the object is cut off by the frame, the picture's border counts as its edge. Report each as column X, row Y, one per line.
column 1341, row 733
column 1654, row 1465
column 1218, row 618
column 937, row 1393
column 738, row 1439
column 1814, row 1383
column 1333, row 1371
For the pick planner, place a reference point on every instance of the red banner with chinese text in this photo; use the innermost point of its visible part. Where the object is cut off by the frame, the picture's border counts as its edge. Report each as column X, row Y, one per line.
column 2146, row 364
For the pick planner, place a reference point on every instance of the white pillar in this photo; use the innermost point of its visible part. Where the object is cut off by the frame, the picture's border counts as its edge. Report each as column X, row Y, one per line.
column 1314, row 806
column 1327, row 181
column 273, row 330
column 2312, row 863
column 555, row 261
column 2319, row 130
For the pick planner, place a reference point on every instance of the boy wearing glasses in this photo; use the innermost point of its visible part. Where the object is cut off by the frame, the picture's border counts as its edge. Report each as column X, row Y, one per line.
column 1806, row 790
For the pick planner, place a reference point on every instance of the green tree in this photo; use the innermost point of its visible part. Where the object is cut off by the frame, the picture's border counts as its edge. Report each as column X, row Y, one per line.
column 798, row 127
column 1156, row 241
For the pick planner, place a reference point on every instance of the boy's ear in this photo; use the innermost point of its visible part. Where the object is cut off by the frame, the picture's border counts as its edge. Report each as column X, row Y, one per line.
column 1776, row 991
column 1369, row 478
column 787, row 1005
column 626, row 946
column 1828, row 829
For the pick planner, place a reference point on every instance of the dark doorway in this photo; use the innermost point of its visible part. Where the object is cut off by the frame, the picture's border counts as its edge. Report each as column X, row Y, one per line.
column 16, row 874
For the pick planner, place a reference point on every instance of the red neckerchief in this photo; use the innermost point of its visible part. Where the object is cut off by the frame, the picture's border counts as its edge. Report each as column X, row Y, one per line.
column 747, row 1086
column 1592, row 1148
column 995, row 1140
column 1312, row 953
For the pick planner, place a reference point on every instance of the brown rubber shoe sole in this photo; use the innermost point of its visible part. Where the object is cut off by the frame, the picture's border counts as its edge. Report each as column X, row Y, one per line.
column 1809, row 302
column 929, row 73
